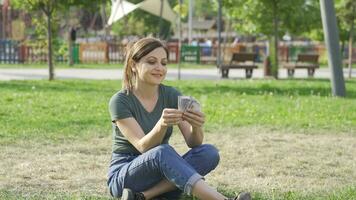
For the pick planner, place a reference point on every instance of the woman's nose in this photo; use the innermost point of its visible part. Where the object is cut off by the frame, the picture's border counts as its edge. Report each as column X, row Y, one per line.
column 160, row 66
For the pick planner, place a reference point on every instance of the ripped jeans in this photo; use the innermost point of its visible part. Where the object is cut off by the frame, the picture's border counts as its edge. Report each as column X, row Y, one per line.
column 141, row 172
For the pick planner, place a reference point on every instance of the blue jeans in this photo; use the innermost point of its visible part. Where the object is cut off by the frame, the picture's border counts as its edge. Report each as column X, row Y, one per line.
column 141, row 172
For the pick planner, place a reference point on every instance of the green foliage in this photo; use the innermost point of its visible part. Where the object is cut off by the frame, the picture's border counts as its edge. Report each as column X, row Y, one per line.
column 273, row 18
column 183, row 10
column 132, row 25
column 205, row 9
column 256, row 16
column 346, row 15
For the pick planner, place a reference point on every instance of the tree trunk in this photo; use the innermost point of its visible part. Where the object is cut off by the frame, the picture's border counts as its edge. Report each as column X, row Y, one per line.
column 49, row 37
column 93, row 20
column 274, row 42
column 70, row 49
column 104, row 19
column 350, row 48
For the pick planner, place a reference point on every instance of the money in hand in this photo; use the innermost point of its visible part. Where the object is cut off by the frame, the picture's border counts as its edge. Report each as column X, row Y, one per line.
column 187, row 102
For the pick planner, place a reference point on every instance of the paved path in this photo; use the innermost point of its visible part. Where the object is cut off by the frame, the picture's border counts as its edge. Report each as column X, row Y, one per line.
column 115, row 74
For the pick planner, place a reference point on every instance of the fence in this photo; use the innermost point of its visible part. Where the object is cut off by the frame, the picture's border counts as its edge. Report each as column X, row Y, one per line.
column 102, row 52
column 10, row 51
column 116, row 52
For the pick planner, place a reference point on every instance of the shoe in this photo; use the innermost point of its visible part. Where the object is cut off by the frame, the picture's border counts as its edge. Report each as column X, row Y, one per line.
column 128, row 194
column 242, row 196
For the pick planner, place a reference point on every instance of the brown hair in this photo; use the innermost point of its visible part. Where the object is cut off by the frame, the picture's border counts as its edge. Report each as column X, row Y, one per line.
column 134, row 52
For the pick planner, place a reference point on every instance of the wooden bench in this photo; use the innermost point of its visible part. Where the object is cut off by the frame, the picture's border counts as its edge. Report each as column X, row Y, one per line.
column 304, row 61
column 346, row 62
column 240, row 61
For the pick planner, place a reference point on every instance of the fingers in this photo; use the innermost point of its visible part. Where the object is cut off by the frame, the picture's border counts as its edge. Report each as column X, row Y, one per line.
column 171, row 116
column 195, row 118
column 174, row 117
column 172, row 112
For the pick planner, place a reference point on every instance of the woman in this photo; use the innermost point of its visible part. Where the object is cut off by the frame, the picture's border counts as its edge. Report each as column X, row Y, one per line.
column 143, row 113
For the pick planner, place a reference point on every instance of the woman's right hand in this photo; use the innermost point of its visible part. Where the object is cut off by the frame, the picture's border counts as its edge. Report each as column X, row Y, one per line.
column 171, row 117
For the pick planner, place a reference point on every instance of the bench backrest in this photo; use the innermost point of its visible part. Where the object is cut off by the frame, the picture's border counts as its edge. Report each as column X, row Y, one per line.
column 308, row 58
column 243, row 57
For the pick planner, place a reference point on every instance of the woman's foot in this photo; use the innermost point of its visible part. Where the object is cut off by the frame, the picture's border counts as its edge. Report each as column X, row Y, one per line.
column 128, row 194
column 242, row 196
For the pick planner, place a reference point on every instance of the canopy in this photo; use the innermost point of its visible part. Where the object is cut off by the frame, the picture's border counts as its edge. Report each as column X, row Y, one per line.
column 120, row 8
column 154, row 7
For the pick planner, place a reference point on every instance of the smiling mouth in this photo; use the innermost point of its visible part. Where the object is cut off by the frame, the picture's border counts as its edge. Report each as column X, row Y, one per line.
column 157, row 75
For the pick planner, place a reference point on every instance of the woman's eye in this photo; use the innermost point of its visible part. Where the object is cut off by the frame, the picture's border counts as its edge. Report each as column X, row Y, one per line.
column 151, row 62
column 164, row 64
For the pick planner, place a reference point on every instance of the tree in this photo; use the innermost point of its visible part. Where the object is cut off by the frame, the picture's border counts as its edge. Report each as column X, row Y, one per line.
column 49, row 8
column 346, row 10
column 273, row 18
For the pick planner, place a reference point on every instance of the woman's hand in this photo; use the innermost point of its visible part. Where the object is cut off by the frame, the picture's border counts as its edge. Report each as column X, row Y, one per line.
column 194, row 118
column 171, row 117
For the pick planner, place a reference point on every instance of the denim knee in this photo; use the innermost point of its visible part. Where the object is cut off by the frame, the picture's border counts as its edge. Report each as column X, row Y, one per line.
column 186, row 177
column 211, row 153
column 203, row 158
column 162, row 149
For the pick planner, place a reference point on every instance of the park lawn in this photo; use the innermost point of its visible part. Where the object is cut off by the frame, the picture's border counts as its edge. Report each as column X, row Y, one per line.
column 96, row 66
column 286, row 139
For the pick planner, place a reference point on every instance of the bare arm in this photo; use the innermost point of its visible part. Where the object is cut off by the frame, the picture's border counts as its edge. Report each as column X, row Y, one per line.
column 135, row 135
column 192, row 128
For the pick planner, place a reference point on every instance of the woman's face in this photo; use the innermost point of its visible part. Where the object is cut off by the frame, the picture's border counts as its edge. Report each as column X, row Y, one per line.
column 151, row 68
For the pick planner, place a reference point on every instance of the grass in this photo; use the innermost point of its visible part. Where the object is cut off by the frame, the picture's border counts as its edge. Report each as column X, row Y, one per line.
column 96, row 66
column 295, row 141
column 72, row 108
column 109, row 66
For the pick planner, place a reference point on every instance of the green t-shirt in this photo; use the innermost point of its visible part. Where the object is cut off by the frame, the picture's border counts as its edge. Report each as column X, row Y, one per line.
column 123, row 106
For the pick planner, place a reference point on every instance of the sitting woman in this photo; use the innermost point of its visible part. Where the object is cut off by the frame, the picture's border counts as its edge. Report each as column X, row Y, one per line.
column 143, row 114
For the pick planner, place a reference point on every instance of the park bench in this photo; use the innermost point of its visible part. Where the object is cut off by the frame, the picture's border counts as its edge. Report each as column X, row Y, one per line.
column 304, row 61
column 240, row 61
column 346, row 62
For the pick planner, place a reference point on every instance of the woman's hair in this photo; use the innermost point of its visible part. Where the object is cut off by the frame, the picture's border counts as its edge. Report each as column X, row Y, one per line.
column 134, row 52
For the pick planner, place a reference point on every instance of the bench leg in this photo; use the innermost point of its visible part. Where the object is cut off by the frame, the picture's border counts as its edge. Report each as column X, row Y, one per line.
column 225, row 73
column 311, row 72
column 249, row 73
column 290, row 72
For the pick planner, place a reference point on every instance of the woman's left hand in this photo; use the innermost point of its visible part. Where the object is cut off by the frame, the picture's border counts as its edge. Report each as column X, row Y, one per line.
column 194, row 118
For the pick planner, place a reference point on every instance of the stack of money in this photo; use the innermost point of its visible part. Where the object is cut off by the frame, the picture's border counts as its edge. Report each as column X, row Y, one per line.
column 188, row 103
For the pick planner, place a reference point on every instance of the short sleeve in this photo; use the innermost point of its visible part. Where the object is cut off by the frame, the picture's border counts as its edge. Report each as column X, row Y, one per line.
column 174, row 93
column 119, row 107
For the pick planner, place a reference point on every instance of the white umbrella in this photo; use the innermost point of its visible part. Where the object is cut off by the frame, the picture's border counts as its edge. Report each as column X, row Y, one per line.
column 154, row 7
column 119, row 9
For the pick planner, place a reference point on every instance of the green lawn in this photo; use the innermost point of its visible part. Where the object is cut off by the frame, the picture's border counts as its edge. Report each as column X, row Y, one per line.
column 37, row 115
column 96, row 66
column 70, row 108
